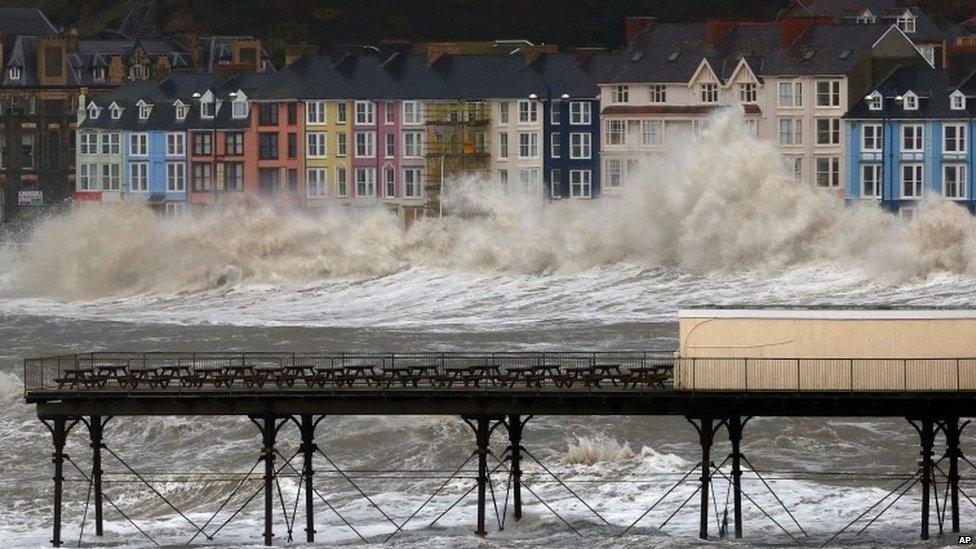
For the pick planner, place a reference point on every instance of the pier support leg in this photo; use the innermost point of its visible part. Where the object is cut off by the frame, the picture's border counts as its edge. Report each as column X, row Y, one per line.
column 95, row 430
column 59, row 431
column 705, row 436
column 952, row 432
column 927, row 439
column 735, row 437
column 515, row 426
column 269, row 429
column 482, row 435
column 308, row 450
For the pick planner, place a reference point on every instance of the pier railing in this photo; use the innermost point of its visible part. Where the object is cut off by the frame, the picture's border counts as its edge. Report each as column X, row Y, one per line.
column 268, row 371
column 169, row 372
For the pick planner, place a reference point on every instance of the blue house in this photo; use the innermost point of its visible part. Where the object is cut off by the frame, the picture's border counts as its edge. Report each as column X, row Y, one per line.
column 571, row 164
column 911, row 137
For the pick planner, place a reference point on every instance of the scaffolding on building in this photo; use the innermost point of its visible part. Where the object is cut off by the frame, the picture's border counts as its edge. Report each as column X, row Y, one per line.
column 457, row 144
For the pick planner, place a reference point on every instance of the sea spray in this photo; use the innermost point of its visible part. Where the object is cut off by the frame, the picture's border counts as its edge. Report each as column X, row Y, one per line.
column 722, row 202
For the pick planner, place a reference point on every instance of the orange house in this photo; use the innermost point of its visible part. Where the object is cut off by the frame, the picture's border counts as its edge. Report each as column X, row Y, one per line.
column 273, row 157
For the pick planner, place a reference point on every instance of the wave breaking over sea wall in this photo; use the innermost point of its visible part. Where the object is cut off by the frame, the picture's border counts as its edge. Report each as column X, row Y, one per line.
column 725, row 202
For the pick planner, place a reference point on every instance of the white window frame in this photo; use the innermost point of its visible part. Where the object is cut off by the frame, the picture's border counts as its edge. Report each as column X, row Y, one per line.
column 613, row 170
column 919, row 185
column 580, row 146
column 918, row 138
column 528, row 111
column 15, row 73
column 528, row 145
column 555, row 113
column 342, row 112
column 389, row 145
column 503, row 113
column 181, row 110
column 833, row 132
column 368, row 145
column 413, row 144
column 877, row 172
column 316, row 144
column 909, row 102
column 88, row 143
column 833, row 96
column 875, row 143
column 503, row 145
column 555, row 145
column 208, row 109
column 316, row 112
column 708, row 93
column 368, row 182
column 620, row 94
column 748, row 92
column 960, row 142
column 175, row 144
column 316, row 182
column 580, row 113
column 657, row 94
column 616, row 133
column 389, row 181
column 139, row 144
column 365, row 113
column 831, row 174
column 342, row 144
column 648, row 135
column 412, row 182
column 795, row 132
column 139, row 173
column 145, row 110
column 110, row 177
column 962, row 180
column 342, row 182
column 389, row 113
column 906, row 23
column 414, row 116
column 175, row 177
column 793, row 91
column 111, row 143
column 957, row 101
column 583, row 179
column 875, row 101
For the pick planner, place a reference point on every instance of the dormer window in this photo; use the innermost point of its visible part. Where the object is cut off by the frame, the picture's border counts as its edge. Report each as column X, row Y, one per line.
column 910, row 102
column 206, row 109
column 866, row 18
column 957, row 101
column 906, row 22
column 239, row 105
column 93, row 111
column 875, row 101
column 116, row 111
column 145, row 110
column 138, row 72
column 98, row 74
column 14, row 73
column 181, row 110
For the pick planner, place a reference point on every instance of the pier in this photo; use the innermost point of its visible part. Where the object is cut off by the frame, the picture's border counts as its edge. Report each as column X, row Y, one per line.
column 497, row 395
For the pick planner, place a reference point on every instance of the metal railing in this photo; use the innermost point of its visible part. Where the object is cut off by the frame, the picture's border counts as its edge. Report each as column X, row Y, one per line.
column 826, row 374
column 176, row 372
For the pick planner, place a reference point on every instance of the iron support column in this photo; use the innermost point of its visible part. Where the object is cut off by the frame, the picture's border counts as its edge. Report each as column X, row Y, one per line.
column 515, row 439
column 95, row 430
column 735, row 437
column 60, row 434
column 268, row 432
column 705, row 434
column 308, row 450
column 952, row 450
column 482, row 434
column 927, row 439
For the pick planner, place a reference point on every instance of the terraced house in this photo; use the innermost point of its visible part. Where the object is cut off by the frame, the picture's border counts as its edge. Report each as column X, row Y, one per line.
column 793, row 80
column 911, row 137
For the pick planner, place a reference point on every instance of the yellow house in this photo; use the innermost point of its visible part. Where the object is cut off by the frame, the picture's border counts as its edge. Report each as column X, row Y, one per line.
column 327, row 150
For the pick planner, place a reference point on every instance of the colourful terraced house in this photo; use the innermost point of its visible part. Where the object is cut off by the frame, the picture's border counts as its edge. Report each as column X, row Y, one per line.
column 911, row 136
column 326, row 136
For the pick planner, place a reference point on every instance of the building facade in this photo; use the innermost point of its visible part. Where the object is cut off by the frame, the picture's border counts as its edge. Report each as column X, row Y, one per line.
column 909, row 138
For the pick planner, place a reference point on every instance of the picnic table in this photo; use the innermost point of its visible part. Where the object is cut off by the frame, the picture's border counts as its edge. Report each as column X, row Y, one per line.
column 359, row 372
column 110, row 372
column 531, row 375
column 654, row 375
column 165, row 374
column 593, row 374
column 74, row 377
column 471, row 374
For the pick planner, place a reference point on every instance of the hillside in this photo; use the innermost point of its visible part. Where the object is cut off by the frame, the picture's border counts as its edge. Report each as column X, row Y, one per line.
column 324, row 22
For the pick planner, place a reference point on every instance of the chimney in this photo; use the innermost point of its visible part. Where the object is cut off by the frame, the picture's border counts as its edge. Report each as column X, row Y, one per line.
column 961, row 62
column 790, row 28
column 717, row 29
column 436, row 50
column 72, row 39
column 582, row 55
column 531, row 53
column 636, row 25
column 297, row 51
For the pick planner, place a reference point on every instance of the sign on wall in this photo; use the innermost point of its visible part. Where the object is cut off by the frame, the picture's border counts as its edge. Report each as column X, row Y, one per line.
column 30, row 198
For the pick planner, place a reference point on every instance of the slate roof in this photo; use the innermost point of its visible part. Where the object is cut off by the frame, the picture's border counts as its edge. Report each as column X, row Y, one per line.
column 16, row 22
column 88, row 55
column 163, row 96
column 887, row 11
column 218, row 48
column 673, row 52
column 399, row 75
column 930, row 85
